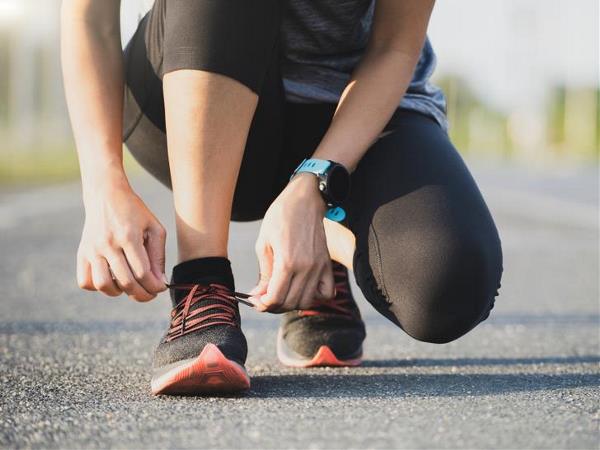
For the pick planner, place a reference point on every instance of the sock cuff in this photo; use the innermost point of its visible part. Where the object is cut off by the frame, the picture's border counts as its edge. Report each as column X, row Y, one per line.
column 210, row 269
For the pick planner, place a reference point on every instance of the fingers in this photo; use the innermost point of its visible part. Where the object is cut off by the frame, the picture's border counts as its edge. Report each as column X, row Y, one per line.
column 139, row 262
column 102, row 278
column 308, row 294
column 155, row 241
column 125, row 278
column 319, row 286
column 84, row 273
column 297, row 286
column 289, row 286
column 326, row 285
column 277, row 290
column 264, row 254
column 301, row 291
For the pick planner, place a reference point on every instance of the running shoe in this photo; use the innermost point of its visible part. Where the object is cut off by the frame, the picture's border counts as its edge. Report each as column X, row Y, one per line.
column 331, row 333
column 204, row 349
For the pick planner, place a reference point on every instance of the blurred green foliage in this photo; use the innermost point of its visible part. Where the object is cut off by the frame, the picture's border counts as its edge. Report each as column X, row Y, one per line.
column 47, row 165
column 567, row 128
column 28, row 167
column 574, row 122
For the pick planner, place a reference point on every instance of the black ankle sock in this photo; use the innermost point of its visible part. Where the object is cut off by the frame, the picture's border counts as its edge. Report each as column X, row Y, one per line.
column 211, row 269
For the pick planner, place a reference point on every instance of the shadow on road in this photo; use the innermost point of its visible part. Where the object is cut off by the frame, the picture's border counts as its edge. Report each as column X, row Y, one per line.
column 462, row 362
column 404, row 385
column 111, row 326
column 544, row 319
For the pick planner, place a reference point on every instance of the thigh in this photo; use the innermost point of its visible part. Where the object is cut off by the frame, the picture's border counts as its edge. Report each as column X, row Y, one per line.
column 144, row 131
column 427, row 254
column 173, row 36
column 304, row 126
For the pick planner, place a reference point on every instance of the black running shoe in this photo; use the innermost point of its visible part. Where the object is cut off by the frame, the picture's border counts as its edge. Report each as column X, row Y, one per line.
column 329, row 334
column 204, row 350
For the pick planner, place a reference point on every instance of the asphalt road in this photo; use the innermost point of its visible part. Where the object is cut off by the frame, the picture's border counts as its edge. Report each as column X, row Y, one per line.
column 74, row 366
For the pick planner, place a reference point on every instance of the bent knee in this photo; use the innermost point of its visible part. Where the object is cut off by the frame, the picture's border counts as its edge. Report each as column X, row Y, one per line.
column 445, row 318
column 442, row 328
column 451, row 291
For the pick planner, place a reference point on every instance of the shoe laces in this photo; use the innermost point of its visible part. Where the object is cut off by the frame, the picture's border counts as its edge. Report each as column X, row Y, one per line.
column 342, row 304
column 221, row 308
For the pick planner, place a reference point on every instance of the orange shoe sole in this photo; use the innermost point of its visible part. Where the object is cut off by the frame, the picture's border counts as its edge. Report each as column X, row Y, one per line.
column 210, row 373
column 323, row 358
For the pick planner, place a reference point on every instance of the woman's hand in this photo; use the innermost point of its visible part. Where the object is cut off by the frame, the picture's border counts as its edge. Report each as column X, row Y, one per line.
column 295, row 267
column 120, row 238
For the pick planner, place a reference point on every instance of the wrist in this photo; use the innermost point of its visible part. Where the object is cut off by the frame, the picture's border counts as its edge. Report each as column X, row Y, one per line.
column 102, row 182
column 306, row 187
column 339, row 156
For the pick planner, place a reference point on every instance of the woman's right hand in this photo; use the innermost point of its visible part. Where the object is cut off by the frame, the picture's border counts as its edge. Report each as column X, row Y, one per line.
column 122, row 239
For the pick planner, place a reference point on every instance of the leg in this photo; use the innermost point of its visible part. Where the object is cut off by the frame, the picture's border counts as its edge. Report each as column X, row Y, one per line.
column 428, row 256
column 208, row 116
column 209, row 66
column 210, row 97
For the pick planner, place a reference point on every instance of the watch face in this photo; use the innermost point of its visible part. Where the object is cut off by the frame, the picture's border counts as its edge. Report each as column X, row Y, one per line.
column 338, row 183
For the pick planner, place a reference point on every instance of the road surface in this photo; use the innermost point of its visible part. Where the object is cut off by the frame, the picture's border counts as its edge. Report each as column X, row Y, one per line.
column 74, row 365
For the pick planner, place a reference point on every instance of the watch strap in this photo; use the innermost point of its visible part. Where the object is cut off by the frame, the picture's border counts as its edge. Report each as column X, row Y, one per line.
column 319, row 167
column 312, row 165
column 337, row 214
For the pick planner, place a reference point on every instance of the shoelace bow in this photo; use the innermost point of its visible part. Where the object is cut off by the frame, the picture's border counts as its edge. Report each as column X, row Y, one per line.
column 340, row 305
column 224, row 312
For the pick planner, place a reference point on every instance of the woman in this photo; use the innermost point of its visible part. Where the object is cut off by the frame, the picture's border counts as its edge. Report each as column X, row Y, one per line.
column 223, row 102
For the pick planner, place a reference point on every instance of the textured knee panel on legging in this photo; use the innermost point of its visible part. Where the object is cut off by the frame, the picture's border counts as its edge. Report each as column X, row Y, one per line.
column 428, row 253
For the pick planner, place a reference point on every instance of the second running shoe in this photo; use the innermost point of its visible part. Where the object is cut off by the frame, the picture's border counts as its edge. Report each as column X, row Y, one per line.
column 329, row 334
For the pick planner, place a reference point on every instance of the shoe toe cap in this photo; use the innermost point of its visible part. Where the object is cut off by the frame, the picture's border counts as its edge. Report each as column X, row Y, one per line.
column 306, row 336
column 230, row 341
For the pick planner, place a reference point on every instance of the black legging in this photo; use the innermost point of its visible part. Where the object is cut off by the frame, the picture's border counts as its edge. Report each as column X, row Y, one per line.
column 428, row 255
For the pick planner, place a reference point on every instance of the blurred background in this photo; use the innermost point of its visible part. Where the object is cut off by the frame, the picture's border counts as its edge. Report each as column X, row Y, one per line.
column 521, row 79
column 522, row 83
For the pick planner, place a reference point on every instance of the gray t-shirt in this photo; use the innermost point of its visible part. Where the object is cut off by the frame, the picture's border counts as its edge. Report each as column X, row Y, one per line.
column 323, row 40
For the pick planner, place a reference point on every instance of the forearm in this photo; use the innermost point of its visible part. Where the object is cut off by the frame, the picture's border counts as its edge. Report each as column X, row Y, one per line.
column 380, row 80
column 93, row 79
column 366, row 105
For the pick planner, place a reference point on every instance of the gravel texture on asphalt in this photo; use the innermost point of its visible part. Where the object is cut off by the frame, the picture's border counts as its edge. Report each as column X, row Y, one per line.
column 74, row 365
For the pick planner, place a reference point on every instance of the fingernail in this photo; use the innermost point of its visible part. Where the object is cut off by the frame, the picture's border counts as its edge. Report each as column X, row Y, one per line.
column 165, row 279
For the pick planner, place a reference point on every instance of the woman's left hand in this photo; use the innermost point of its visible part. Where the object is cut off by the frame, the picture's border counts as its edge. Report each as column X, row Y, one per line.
column 295, row 267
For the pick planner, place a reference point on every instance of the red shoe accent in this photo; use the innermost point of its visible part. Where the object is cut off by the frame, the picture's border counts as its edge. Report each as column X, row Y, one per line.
column 325, row 357
column 341, row 305
column 209, row 373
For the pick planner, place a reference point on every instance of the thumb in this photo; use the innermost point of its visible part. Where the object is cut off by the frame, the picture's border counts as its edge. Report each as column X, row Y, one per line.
column 155, row 246
column 264, row 254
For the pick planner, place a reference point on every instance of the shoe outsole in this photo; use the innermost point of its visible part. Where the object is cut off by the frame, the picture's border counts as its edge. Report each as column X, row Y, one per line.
column 324, row 357
column 210, row 373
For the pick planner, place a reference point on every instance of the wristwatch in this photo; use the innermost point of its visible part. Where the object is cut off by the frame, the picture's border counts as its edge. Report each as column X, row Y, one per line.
column 334, row 184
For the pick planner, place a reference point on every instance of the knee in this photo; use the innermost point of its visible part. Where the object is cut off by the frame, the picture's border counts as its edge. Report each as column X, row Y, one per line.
column 453, row 288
